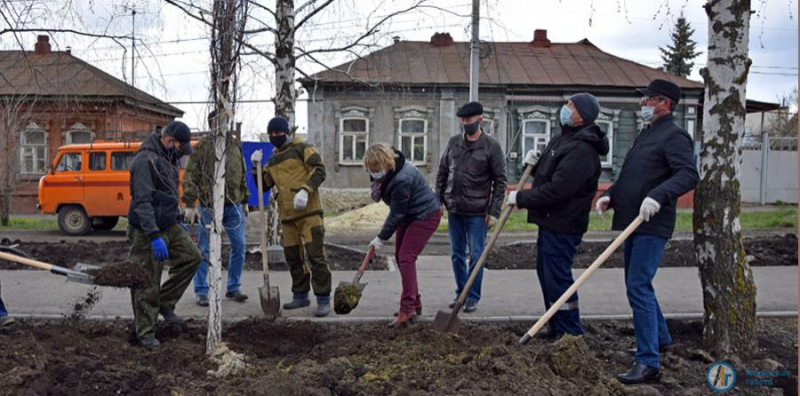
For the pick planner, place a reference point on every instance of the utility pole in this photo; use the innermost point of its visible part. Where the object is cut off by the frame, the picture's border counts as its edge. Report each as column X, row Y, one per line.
column 474, row 52
column 133, row 47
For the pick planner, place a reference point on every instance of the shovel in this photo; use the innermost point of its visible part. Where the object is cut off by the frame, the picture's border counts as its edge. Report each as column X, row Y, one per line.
column 348, row 294
column 445, row 322
column 581, row 279
column 78, row 275
column 270, row 295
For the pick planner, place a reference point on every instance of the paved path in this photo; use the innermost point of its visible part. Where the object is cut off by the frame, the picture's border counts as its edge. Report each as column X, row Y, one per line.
column 508, row 294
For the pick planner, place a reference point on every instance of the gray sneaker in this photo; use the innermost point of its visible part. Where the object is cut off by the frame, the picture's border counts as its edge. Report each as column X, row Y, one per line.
column 470, row 306
column 6, row 321
column 202, row 300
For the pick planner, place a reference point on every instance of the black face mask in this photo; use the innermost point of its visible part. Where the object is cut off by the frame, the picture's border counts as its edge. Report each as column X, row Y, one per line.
column 277, row 141
column 471, row 129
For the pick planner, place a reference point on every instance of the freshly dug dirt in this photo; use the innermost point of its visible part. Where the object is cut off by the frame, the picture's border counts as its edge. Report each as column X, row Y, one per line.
column 83, row 305
column 67, row 254
column 345, row 299
column 769, row 251
column 292, row 358
column 125, row 274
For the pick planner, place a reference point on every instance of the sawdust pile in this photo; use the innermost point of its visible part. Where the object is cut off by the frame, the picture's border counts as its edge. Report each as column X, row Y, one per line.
column 368, row 218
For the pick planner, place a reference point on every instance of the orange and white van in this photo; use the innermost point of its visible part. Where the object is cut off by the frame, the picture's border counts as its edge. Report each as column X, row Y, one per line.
column 88, row 185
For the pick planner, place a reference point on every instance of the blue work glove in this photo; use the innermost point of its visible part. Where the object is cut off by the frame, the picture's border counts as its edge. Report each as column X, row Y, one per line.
column 159, row 249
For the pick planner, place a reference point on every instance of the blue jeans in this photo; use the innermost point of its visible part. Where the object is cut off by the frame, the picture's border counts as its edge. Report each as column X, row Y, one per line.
column 234, row 222
column 554, row 256
column 643, row 253
column 466, row 230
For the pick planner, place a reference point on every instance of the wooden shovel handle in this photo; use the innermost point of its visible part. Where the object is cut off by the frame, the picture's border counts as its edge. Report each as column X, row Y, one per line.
column 26, row 261
column 501, row 222
column 580, row 281
column 360, row 273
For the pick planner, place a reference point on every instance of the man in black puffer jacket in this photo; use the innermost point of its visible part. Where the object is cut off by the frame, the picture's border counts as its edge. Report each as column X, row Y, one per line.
column 565, row 182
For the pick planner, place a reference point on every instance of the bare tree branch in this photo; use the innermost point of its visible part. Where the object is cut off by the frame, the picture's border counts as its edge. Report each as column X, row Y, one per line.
column 310, row 14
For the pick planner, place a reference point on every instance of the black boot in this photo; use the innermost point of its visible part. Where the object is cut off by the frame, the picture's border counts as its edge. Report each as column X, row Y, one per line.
column 297, row 303
column 639, row 374
column 170, row 316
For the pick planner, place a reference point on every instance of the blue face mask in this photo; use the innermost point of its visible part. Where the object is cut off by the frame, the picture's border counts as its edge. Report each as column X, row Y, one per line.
column 565, row 116
column 648, row 112
column 377, row 176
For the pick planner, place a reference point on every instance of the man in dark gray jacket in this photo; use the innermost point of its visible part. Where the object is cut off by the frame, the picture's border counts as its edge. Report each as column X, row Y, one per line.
column 155, row 232
column 658, row 168
column 471, row 184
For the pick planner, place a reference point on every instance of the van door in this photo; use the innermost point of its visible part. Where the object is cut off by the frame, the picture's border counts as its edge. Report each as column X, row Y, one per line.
column 66, row 182
column 98, row 187
column 120, row 174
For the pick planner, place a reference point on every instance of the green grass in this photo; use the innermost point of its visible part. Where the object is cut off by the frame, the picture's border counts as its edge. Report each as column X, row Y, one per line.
column 779, row 218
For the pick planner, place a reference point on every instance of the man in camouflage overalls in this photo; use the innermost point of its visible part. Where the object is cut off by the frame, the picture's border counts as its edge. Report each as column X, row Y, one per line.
column 297, row 171
column 155, row 232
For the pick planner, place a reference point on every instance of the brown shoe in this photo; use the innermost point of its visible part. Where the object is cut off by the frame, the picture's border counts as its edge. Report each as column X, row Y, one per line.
column 403, row 319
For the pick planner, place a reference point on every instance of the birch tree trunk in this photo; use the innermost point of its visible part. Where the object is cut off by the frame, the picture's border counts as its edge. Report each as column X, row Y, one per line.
column 215, row 286
column 729, row 293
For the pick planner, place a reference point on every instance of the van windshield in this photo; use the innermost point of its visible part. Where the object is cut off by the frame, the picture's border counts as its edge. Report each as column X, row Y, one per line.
column 70, row 162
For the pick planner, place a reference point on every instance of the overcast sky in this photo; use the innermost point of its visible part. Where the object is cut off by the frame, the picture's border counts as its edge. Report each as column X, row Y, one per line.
column 174, row 64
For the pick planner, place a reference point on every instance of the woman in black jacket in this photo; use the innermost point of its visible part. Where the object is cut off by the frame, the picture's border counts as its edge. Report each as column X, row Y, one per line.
column 414, row 214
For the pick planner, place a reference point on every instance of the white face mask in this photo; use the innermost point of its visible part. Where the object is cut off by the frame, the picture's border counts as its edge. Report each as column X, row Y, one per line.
column 648, row 112
column 377, row 175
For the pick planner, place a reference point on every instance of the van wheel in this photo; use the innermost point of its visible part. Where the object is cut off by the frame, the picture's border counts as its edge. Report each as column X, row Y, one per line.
column 104, row 223
column 72, row 220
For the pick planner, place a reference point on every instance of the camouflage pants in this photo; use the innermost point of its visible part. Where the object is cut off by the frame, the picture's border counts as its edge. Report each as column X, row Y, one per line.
column 301, row 237
column 147, row 300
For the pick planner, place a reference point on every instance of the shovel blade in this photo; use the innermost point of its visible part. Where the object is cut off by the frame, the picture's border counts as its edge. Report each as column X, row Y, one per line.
column 87, row 268
column 270, row 300
column 446, row 322
column 80, row 278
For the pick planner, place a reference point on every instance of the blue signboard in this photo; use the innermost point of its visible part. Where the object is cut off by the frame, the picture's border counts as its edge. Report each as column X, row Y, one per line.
column 247, row 149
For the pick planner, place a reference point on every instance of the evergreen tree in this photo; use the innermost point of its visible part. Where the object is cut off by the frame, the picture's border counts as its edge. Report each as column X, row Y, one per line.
column 678, row 56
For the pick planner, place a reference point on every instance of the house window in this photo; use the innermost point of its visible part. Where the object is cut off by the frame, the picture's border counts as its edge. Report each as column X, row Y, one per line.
column 535, row 135
column 79, row 134
column 33, row 151
column 487, row 125
column 97, row 161
column 607, row 126
column 69, row 162
column 354, row 138
column 413, row 139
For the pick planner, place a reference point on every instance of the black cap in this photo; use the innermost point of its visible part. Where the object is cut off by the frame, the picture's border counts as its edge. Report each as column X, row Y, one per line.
column 181, row 133
column 470, row 109
column 279, row 124
column 663, row 88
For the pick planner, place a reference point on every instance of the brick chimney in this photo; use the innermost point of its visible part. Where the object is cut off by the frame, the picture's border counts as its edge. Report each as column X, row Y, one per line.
column 42, row 46
column 540, row 39
column 396, row 39
column 441, row 39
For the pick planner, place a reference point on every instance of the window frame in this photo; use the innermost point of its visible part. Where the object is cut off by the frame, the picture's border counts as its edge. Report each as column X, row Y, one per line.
column 127, row 154
column 414, row 136
column 547, row 135
column 31, row 149
column 105, row 161
column 609, row 162
column 356, row 135
column 63, row 157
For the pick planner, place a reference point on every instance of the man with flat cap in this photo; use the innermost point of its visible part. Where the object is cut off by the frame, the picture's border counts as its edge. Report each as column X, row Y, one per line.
column 565, row 182
column 658, row 169
column 471, row 185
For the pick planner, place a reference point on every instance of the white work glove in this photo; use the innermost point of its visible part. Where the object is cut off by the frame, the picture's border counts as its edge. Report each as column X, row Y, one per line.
column 377, row 243
column 191, row 215
column 532, row 157
column 300, row 200
column 490, row 222
column 512, row 198
column 257, row 156
column 649, row 208
column 601, row 206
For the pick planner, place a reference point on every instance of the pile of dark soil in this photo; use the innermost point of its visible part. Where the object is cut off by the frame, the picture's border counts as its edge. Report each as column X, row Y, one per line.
column 292, row 358
column 767, row 251
column 67, row 254
column 125, row 274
